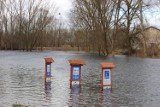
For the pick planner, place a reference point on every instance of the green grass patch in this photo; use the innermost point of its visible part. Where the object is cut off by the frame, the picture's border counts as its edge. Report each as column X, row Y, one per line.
column 18, row 105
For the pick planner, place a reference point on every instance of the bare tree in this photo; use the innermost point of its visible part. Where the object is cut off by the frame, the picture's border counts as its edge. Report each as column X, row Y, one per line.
column 97, row 17
column 102, row 20
column 130, row 8
column 24, row 23
column 1, row 24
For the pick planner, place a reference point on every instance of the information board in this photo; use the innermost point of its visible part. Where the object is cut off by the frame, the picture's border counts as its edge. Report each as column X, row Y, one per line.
column 48, row 70
column 106, row 77
column 76, row 73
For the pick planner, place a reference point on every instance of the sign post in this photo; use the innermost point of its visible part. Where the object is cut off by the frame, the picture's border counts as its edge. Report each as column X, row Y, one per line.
column 107, row 74
column 75, row 70
column 47, row 72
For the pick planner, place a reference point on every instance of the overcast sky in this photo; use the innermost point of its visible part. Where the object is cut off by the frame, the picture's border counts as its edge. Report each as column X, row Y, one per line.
column 64, row 7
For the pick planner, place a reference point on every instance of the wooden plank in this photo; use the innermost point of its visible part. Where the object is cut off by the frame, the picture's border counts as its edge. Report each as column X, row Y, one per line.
column 48, row 60
column 109, row 65
column 76, row 62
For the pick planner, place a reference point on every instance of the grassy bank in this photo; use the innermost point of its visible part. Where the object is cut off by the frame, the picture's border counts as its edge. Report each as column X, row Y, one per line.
column 19, row 105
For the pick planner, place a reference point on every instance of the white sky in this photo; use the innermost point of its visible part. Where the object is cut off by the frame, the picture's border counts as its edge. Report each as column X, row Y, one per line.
column 64, row 7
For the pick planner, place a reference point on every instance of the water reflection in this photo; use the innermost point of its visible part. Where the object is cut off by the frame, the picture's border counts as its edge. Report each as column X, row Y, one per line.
column 76, row 89
column 106, row 96
column 48, row 89
column 75, row 95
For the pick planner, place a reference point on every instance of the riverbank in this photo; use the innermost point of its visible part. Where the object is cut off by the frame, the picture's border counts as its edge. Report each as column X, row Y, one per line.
column 62, row 48
column 79, row 49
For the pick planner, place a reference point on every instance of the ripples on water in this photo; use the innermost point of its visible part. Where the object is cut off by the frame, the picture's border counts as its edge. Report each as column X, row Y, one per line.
column 136, row 81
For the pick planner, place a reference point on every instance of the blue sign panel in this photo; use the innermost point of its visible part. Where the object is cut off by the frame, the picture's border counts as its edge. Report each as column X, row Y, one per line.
column 106, row 74
column 48, row 70
column 76, row 73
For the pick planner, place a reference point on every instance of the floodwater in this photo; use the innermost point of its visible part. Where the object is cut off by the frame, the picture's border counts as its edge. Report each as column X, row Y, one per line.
column 136, row 81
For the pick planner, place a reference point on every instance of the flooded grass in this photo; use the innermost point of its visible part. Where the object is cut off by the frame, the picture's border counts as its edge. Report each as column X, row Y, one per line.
column 19, row 105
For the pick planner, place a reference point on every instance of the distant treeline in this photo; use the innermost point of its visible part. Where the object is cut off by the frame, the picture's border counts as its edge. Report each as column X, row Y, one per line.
column 102, row 26
column 25, row 24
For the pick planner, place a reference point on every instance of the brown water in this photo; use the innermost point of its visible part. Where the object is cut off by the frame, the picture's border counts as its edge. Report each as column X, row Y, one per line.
column 136, row 81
